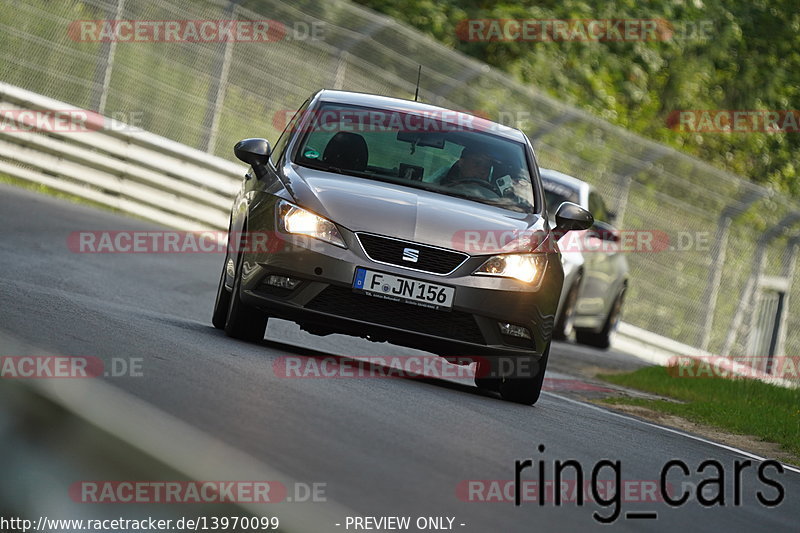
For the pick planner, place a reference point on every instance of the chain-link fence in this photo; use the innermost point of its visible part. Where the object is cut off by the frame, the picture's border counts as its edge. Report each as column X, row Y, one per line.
column 734, row 243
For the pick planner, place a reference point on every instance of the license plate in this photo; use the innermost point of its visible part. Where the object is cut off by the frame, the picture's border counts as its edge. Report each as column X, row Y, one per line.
column 406, row 290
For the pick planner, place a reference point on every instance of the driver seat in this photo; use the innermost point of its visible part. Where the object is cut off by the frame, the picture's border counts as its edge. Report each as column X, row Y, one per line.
column 347, row 151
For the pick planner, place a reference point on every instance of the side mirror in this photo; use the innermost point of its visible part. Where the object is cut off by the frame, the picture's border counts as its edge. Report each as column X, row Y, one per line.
column 571, row 217
column 254, row 152
column 605, row 232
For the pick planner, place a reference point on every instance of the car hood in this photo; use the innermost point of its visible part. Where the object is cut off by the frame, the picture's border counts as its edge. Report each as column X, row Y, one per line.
column 360, row 204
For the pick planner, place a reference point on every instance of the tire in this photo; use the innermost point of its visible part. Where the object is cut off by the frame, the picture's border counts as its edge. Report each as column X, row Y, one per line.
column 484, row 379
column 223, row 300
column 565, row 324
column 526, row 390
column 602, row 339
column 244, row 322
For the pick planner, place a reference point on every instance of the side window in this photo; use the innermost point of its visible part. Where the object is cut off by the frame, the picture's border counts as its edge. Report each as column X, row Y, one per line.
column 283, row 140
column 597, row 208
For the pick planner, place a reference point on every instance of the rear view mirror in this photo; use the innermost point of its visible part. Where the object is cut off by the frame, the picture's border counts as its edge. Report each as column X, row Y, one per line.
column 421, row 139
column 571, row 217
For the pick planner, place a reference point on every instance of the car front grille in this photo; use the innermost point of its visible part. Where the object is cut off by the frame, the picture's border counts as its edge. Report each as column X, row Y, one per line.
column 343, row 302
column 429, row 258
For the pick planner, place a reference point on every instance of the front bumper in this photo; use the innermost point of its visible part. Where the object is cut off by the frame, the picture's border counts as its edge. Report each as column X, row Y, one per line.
column 324, row 302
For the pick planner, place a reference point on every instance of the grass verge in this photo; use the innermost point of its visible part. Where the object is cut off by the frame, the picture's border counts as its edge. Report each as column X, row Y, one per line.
column 743, row 406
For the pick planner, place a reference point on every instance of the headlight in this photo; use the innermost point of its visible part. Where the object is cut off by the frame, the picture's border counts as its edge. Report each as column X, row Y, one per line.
column 298, row 221
column 524, row 267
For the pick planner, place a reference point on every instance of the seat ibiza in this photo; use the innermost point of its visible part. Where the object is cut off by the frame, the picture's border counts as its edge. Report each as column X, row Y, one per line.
column 403, row 222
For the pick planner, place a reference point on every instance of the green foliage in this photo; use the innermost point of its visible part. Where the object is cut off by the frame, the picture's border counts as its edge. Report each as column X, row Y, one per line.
column 722, row 55
column 744, row 406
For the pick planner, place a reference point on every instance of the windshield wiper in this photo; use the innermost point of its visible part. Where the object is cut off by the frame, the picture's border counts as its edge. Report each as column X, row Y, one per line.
column 336, row 170
column 322, row 167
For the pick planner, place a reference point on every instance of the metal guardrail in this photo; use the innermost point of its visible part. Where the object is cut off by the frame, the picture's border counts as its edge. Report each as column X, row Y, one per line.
column 663, row 351
column 131, row 170
column 152, row 177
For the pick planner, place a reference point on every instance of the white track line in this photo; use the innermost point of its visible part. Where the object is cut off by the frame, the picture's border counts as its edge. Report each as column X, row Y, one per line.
column 670, row 430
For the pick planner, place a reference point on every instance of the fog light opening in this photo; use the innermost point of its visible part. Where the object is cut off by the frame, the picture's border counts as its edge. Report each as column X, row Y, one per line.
column 512, row 330
column 282, row 282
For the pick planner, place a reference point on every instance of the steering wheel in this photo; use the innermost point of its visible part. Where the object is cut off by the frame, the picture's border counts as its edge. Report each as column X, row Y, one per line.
column 475, row 181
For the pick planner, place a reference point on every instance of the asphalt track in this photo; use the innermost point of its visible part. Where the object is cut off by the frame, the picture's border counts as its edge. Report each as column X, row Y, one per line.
column 393, row 447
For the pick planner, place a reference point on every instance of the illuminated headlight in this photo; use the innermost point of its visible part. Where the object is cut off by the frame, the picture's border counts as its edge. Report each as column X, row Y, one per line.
column 298, row 221
column 524, row 267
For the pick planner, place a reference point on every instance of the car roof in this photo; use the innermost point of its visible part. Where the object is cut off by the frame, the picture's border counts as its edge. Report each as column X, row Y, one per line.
column 412, row 107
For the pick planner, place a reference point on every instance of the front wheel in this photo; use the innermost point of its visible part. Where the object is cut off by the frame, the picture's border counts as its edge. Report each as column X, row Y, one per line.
column 526, row 390
column 223, row 300
column 244, row 322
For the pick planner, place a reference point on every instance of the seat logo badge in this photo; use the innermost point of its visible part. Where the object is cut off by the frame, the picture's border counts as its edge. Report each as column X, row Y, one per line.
column 410, row 254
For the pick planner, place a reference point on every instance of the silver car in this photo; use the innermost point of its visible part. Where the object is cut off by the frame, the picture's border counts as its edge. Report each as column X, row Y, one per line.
column 595, row 267
column 404, row 222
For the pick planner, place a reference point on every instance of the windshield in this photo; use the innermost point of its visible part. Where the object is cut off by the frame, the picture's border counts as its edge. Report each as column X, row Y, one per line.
column 425, row 152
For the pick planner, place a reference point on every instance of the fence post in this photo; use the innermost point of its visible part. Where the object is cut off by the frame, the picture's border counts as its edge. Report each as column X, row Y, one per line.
column 625, row 180
column 787, row 271
column 340, row 68
column 216, row 89
column 751, row 286
column 105, row 64
column 711, row 292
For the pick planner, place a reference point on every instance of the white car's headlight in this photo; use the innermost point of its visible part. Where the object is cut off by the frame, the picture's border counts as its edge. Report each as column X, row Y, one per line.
column 298, row 221
column 524, row 267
